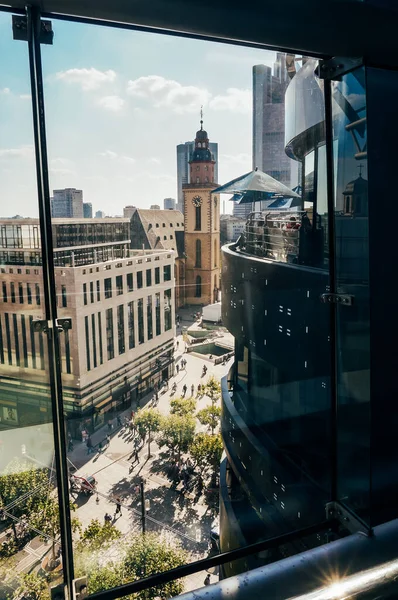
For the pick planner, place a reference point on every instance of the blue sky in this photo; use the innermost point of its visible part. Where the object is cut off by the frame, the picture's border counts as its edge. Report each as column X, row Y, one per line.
column 117, row 104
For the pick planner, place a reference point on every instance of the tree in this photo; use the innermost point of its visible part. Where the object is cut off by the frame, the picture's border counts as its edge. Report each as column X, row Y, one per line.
column 212, row 389
column 104, row 577
column 98, row 535
column 47, row 521
column 148, row 421
column 206, row 450
column 148, row 554
column 210, row 416
column 177, row 433
column 182, row 406
column 32, row 586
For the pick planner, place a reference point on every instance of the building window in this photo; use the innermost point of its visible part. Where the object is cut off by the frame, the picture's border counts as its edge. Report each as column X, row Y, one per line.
column 87, row 344
column 130, row 324
column 215, row 253
column 24, row 343
column 198, row 218
column 149, row 317
column 120, row 328
column 37, row 289
column 92, row 292
column 157, row 275
column 20, row 293
column 140, row 321
column 32, row 342
column 108, row 287
column 130, row 286
column 167, row 273
column 28, row 293
column 67, row 351
column 8, row 338
column 94, row 340
column 101, row 357
column 16, row 340
column 64, row 296
column 198, row 290
column 41, row 350
column 85, row 294
column 1, row 344
column 139, row 279
column 12, row 292
column 197, row 180
column 119, row 285
column 109, row 334
column 198, row 254
column 149, row 277
column 167, row 310
column 98, row 291
column 157, row 314
column 4, row 285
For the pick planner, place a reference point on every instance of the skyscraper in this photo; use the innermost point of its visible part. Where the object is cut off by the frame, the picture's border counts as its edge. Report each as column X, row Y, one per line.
column 128, row 211
column 169, row 204
column 184, row 152
column 99, row 214
column 67, row 203
column 269, row 122
column 87, row 210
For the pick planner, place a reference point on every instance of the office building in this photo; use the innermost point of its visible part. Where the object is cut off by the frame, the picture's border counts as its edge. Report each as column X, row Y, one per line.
column 154, row 207
column 87, row 210
column 242, row 211
column 169, row 204
column 121, row 305
column 67, row 203
column 231, row 228
column 128, row 211
column 184, row 152
column 99, row 214
column 269, row 122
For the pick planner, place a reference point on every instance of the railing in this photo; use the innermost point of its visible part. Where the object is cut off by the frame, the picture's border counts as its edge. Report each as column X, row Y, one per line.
column 285, row 236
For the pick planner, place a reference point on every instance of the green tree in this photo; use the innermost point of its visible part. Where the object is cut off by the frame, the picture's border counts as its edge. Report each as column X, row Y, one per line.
column 23, row 488
column 177, row 433
column 46, row 520
column 148, row 421
column 182, row 406
column 210, row 416
column 33, row 587
column 149, row 554
column 104, row 577
column 212, row 389
column 206, row 451
column 98, row 535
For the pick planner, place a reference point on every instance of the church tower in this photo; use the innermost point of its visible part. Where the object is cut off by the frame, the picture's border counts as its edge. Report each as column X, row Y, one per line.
column 202, row 225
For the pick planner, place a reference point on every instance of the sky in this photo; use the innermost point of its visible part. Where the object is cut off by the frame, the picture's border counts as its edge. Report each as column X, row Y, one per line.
column 117, row 103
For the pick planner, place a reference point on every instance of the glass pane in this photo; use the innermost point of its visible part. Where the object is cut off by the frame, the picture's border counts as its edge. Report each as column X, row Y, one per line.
column 29, row 524
column 352, row 251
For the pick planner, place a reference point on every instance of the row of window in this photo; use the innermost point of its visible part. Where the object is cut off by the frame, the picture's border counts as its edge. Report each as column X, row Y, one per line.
column 95, row 291
column 20, row 345
column 164, row 225
column 125, row 336
column 26, row 293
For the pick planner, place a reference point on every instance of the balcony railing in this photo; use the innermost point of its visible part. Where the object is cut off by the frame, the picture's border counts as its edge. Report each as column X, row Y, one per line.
column 288, row 237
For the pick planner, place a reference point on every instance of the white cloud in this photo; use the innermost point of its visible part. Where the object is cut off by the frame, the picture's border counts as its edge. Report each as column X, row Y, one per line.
column 89, row 79
column 112, row 103
column 22, row 152
column 154, row 161
column 5, row 91
column 235, row 100
column 127, row 160
column 60, row 162
column 63, row 172
column 25, row 96
column 167, row 93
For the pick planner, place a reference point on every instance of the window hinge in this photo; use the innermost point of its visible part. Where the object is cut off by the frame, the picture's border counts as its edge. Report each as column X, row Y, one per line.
column 337, row 512
column 345, row 299
column 338, row 66
column 20, row 29
column 42, row 325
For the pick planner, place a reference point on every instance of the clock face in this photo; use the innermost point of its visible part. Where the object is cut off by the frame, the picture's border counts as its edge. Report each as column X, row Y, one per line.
column 197, row 201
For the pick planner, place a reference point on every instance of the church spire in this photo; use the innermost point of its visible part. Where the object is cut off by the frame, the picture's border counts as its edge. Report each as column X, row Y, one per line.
column 201, row 118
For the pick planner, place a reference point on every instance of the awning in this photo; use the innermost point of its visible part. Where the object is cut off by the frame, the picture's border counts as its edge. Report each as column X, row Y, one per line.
column 255, row 181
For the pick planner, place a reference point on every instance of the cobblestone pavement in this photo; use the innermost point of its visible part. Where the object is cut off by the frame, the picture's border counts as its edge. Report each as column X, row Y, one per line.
column 185, row 516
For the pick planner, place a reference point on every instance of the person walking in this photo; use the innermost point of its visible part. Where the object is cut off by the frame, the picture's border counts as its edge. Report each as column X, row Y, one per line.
column 199, row 389
column 207, row 579
column 177, row 368
column 119, row 421
column 89, row 445
column 108, row 439
column 192, row 390
column 118, row 510
column 107, row 518
column 184, row 390
column 178, row 343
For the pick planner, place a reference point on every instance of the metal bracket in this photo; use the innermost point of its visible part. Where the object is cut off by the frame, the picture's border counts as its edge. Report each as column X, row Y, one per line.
column 42, row 326
column 338, row 66
column 335, row 511
column 20, row 30
column 345, row 299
